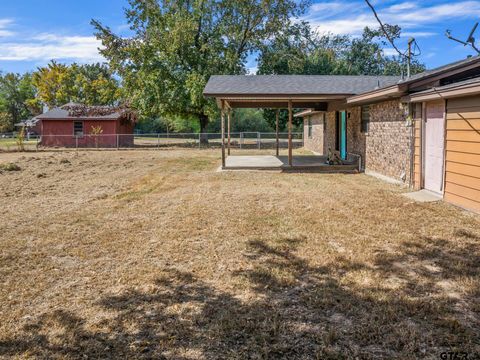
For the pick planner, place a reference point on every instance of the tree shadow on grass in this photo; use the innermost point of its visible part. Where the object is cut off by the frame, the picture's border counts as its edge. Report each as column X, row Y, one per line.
column 295, row 311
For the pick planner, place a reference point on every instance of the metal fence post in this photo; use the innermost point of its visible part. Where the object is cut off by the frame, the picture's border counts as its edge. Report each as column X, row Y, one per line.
column 76, row 142
column 259, row 140
column 158, row 139
column 36, row 145
column 118, row 141
column 199, row 140
column 241, row 139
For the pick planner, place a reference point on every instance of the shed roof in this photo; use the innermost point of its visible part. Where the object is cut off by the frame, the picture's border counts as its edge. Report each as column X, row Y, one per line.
column 75, row 111
column 294, row 85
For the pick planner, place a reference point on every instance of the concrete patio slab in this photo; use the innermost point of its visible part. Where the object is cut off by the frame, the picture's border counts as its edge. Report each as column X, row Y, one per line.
column 423, row 196
column 270, row 162
column 262, row 161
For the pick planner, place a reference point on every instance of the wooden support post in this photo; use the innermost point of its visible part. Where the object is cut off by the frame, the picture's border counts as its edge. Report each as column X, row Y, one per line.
column 229, row 115
column 223, row 134
column 277, row 115
column 290, row 116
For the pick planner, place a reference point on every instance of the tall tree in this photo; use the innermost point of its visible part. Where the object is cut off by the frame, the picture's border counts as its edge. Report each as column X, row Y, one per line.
column 366, row 55
column 54, row 84
column 16, row 93
column 178, row 45
column 90, row 84
column 300, row 50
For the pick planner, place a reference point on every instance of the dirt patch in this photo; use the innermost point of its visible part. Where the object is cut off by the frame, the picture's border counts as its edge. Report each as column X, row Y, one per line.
column 154, row 254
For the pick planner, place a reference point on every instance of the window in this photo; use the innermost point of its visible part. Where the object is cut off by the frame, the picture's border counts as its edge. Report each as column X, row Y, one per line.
column 309, row 127
column 78, row 128
column 365, row 124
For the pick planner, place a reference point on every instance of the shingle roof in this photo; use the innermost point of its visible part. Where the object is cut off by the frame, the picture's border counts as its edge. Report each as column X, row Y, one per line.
column 294, row 84
column 67, row 112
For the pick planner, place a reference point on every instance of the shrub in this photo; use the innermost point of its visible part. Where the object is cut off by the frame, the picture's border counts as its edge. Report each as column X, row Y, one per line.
column 9, row 167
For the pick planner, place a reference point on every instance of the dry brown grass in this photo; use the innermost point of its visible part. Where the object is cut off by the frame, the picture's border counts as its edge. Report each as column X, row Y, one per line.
column 154, row 254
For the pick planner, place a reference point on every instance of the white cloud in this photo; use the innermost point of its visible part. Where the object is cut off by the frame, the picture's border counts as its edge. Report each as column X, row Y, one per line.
column 433, row 14
column 409, row 15
column 418, row 34
column 403, row 6
column 4, row 28
column 390, row 52
column 47, row 46
column 352, row 26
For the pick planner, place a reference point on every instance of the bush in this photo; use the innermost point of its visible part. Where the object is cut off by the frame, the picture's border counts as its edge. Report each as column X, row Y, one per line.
column 9, row 167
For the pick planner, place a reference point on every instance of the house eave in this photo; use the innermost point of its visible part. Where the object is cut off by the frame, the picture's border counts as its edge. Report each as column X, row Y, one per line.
column 439, row 93
column 391, row 92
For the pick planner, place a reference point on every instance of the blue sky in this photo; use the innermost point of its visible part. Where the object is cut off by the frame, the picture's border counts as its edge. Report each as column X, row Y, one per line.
column 34, row 31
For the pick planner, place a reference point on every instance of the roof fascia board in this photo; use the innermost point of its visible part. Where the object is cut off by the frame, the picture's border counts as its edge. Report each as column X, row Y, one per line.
column 376, row 95
column 434, row 94
column 412, row 84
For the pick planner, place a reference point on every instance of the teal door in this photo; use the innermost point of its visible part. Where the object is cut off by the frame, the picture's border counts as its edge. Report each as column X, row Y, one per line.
column 343, row 135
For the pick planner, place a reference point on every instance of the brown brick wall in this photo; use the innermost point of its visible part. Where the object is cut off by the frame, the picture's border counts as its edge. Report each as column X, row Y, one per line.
column 384, row 150
column 388, row 141
column 315, row 143
column 355, row 139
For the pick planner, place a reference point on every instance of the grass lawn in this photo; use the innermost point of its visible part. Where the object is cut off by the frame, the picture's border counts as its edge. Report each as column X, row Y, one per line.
column 154, row 254
column 11, row 144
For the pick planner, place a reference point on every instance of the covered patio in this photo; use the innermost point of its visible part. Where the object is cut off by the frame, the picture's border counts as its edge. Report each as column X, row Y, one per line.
column 319, row 93
column 317, row 163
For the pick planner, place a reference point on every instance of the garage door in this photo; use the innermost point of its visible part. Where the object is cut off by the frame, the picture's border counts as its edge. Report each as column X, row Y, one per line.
column 462, row 178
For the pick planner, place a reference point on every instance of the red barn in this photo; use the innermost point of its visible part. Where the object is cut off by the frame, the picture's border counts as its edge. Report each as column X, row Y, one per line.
column 77, row 125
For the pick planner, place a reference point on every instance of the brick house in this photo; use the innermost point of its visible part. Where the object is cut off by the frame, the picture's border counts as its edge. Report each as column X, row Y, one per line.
column 75, row 125
column 422, row 131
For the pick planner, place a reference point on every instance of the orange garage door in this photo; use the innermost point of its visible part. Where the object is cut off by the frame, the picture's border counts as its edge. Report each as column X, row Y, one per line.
column 462, row 178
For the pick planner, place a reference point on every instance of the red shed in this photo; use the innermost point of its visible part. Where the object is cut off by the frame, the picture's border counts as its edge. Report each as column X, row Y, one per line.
column 77, row 125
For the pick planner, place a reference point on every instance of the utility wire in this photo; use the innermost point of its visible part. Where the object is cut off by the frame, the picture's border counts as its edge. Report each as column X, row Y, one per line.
column 385, row 32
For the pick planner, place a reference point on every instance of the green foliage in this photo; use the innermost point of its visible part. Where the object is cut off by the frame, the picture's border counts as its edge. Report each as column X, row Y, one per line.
column 178, row 45
column 366, row 57
column 244, row 120
column 15, row 93
column 96, row 131
column 20, row 139
column 90, row 84
column 9, row 167
column 150, row 126
column 299, row 50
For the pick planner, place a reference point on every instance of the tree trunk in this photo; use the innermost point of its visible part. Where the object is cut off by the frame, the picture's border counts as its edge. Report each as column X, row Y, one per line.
column 203, row 119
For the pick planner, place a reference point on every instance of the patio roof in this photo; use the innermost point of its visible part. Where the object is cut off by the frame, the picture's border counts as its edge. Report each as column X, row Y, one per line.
column 304, row 91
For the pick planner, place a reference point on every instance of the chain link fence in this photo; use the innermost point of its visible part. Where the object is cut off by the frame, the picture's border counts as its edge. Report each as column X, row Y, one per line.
column 238, row 140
